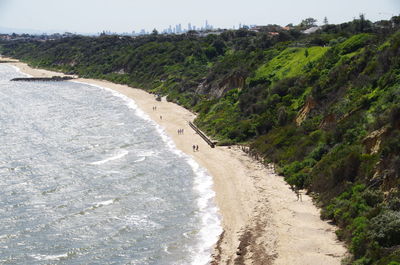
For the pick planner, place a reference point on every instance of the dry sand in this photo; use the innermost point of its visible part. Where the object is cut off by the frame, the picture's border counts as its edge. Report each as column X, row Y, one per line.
column 262, row 220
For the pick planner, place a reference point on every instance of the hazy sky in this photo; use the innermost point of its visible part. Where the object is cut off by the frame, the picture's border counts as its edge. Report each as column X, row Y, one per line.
column 93, row 16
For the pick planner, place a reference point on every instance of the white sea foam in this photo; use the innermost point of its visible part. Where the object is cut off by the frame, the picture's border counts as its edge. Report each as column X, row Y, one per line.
column 166, row 250
column 118, row 156
column 128, row 101
column 211, row 221
column 210, row 218
column 145, row 153
column 140, row 159
column 49, row 257
column 104, row 203
column 141, row 222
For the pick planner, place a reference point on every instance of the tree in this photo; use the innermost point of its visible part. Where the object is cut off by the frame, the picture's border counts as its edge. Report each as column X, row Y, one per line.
column 395, row 20
column 308, row 22
column 155, row 32
column 325, row 21
column 362, row 24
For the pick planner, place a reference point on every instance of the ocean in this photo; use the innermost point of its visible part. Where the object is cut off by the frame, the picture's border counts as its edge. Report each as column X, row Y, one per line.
column 87, row 178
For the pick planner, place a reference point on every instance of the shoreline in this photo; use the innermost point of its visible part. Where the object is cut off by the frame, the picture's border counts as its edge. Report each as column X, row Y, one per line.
column 262, row 221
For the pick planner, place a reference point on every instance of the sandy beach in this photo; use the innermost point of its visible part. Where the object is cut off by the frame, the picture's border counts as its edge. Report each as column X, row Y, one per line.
column 262, row 220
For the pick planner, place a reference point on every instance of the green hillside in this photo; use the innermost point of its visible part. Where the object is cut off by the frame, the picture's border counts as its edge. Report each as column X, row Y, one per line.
column 289, row 63
column 324, row 107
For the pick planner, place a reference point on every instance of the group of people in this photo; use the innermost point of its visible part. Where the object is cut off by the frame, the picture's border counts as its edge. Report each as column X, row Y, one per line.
column 154, row 109
column 180, row 132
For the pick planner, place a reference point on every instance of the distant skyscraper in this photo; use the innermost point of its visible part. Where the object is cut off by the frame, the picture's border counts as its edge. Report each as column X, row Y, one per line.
column 206, row 25
column 189, row 26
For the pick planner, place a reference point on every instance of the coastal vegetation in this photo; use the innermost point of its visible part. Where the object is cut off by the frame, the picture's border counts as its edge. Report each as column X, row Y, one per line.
column 324, row 107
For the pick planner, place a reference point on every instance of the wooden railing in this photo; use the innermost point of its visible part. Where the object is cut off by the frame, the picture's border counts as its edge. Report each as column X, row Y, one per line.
column 202, row 135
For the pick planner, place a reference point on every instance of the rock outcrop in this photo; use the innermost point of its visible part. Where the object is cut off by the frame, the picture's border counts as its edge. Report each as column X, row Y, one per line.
column 221, row 88
column 372, row 141
column 308, row 106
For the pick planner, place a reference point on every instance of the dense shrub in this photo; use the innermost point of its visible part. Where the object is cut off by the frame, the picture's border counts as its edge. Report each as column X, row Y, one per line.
column 385, row 228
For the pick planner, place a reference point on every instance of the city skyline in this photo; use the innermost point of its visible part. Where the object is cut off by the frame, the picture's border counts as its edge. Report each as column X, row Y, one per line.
column 179, row 29
column 94, row 16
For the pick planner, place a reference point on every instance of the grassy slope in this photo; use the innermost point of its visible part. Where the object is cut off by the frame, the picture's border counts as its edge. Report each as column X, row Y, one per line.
column 290, row 62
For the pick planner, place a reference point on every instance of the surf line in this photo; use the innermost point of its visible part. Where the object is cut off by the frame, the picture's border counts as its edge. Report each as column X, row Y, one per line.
column 124, row 153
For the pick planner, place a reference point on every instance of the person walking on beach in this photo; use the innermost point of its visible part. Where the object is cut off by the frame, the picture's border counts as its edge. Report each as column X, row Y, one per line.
column 194, row 148
column 160, row 117
column 197, row 148
column 298, row 194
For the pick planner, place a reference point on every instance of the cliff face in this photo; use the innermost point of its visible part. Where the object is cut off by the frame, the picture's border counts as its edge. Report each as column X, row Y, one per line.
column 235, row 81
column 305, row 110
column 373, row 141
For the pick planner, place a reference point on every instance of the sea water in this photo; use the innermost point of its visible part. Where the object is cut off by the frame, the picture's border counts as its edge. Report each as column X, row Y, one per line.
column 87, row 178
